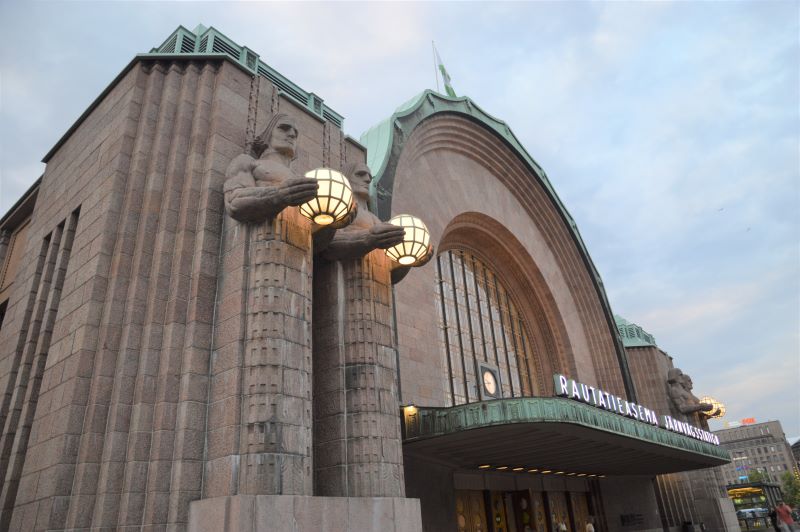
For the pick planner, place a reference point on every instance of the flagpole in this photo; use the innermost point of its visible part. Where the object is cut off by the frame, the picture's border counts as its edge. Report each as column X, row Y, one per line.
column 435, row 69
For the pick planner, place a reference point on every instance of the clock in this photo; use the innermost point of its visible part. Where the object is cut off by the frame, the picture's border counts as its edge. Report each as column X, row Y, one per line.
column 489, row 381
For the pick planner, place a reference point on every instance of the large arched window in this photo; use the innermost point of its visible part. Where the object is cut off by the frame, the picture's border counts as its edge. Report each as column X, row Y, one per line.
column 479, row 323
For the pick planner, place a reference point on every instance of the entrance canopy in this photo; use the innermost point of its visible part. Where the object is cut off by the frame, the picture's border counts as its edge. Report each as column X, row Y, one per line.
column 550, row 435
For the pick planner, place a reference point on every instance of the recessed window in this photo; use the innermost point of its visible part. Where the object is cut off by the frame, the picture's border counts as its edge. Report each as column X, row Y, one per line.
column 480, row 323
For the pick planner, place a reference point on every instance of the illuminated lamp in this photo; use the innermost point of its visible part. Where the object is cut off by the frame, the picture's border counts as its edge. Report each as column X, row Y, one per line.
column 518, row 469
column 717, row 410
column 484, row 466
column 532, row 470
column 502, row 468
column 334, row 200
column 416, row 241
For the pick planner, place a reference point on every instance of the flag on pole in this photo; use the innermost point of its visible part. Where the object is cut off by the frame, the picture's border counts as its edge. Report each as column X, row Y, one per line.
column 445, row 76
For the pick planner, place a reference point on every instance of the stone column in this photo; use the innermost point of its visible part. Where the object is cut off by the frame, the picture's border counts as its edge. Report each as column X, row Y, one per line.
column 276, row 393
column 260, row 420
column 358, row 446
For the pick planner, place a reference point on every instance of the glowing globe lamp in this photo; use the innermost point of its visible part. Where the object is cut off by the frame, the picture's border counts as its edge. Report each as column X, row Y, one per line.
column 416, row 241
column 717, row 410
column 334, row 199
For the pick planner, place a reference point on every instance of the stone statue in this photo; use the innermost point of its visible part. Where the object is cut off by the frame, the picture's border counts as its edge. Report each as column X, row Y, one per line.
column 260, row 185
column 262, row 444
column 366, row 232
column 680, row 392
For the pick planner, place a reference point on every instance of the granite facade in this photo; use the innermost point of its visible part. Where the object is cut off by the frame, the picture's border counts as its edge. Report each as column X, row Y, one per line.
column 164, row 366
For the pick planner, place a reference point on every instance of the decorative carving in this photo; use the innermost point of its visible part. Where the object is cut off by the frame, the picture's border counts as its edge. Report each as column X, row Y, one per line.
column 252, row 113
column 366, row 232
column 260, row 185
column 680, row 393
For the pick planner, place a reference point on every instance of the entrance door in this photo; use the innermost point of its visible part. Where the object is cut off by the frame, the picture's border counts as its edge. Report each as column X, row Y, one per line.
column 470, row 511
column 498, row 512
column 540, row 512
column 558, row 510
column 580, row 509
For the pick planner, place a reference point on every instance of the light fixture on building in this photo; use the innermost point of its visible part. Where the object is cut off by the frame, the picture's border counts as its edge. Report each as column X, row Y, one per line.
column 532, row 470
column 717, row 408
column 518, row 469
column 546, row 471
column 410, row 410
column 334, row 199
column 502, row 468
column 484, row 466
column 416, row 241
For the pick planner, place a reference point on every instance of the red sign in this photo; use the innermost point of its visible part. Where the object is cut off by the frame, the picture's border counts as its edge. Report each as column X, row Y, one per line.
column 748, row 421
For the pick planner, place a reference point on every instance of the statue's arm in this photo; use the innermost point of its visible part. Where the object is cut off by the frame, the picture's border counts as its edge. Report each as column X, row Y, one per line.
column 247, row 202
column 690, row 407
column 353, row 242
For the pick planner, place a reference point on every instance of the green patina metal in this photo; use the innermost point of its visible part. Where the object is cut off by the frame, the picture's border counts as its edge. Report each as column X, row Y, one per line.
column 385, row 141
column 433, row 422
column 633, row 335
column 204, row 41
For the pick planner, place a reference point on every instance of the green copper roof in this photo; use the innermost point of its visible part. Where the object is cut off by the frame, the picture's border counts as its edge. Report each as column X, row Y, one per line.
column 552, row 432
column 385, row 141
column 633, row 335
column 205, row 41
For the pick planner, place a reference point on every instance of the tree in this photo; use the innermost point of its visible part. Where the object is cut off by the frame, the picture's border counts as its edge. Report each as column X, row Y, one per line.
column 791, row 489
column 756, row 475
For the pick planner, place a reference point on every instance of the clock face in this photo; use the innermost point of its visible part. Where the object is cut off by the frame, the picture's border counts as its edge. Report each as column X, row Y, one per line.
column 489, row 382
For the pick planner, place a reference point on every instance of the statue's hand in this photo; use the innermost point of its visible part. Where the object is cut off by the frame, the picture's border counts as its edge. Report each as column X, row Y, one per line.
column 385, row 235
column 705, row 407
column 298, row 190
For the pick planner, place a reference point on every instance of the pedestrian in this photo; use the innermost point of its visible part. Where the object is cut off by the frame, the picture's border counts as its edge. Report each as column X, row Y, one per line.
column 773, row 518
column 589, row 524
column 785, row 521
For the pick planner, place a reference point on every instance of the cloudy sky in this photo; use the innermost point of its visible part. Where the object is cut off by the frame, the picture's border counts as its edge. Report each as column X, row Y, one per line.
column 670, row 131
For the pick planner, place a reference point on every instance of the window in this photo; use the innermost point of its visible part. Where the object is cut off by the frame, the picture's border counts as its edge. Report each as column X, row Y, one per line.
column 479, row 322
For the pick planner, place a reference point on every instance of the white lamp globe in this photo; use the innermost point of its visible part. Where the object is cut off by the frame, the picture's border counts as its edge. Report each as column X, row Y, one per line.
column 416, row 241
column 334, row 199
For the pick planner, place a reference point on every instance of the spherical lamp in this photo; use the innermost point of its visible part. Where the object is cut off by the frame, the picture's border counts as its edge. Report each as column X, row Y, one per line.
column 416, row 241
column 334, row 199
column 717, row 410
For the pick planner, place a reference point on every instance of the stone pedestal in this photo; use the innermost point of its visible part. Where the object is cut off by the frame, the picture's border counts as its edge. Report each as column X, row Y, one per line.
column 294, row 513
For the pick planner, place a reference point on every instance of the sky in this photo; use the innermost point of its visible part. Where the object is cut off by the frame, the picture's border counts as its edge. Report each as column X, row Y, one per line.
column 671, row 131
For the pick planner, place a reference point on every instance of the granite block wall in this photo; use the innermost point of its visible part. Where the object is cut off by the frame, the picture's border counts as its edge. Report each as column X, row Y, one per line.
column 106, row 359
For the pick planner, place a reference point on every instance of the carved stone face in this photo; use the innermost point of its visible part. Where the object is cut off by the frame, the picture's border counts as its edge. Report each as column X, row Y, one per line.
column 360, row 179
column 687, row 382
column 284, row 137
